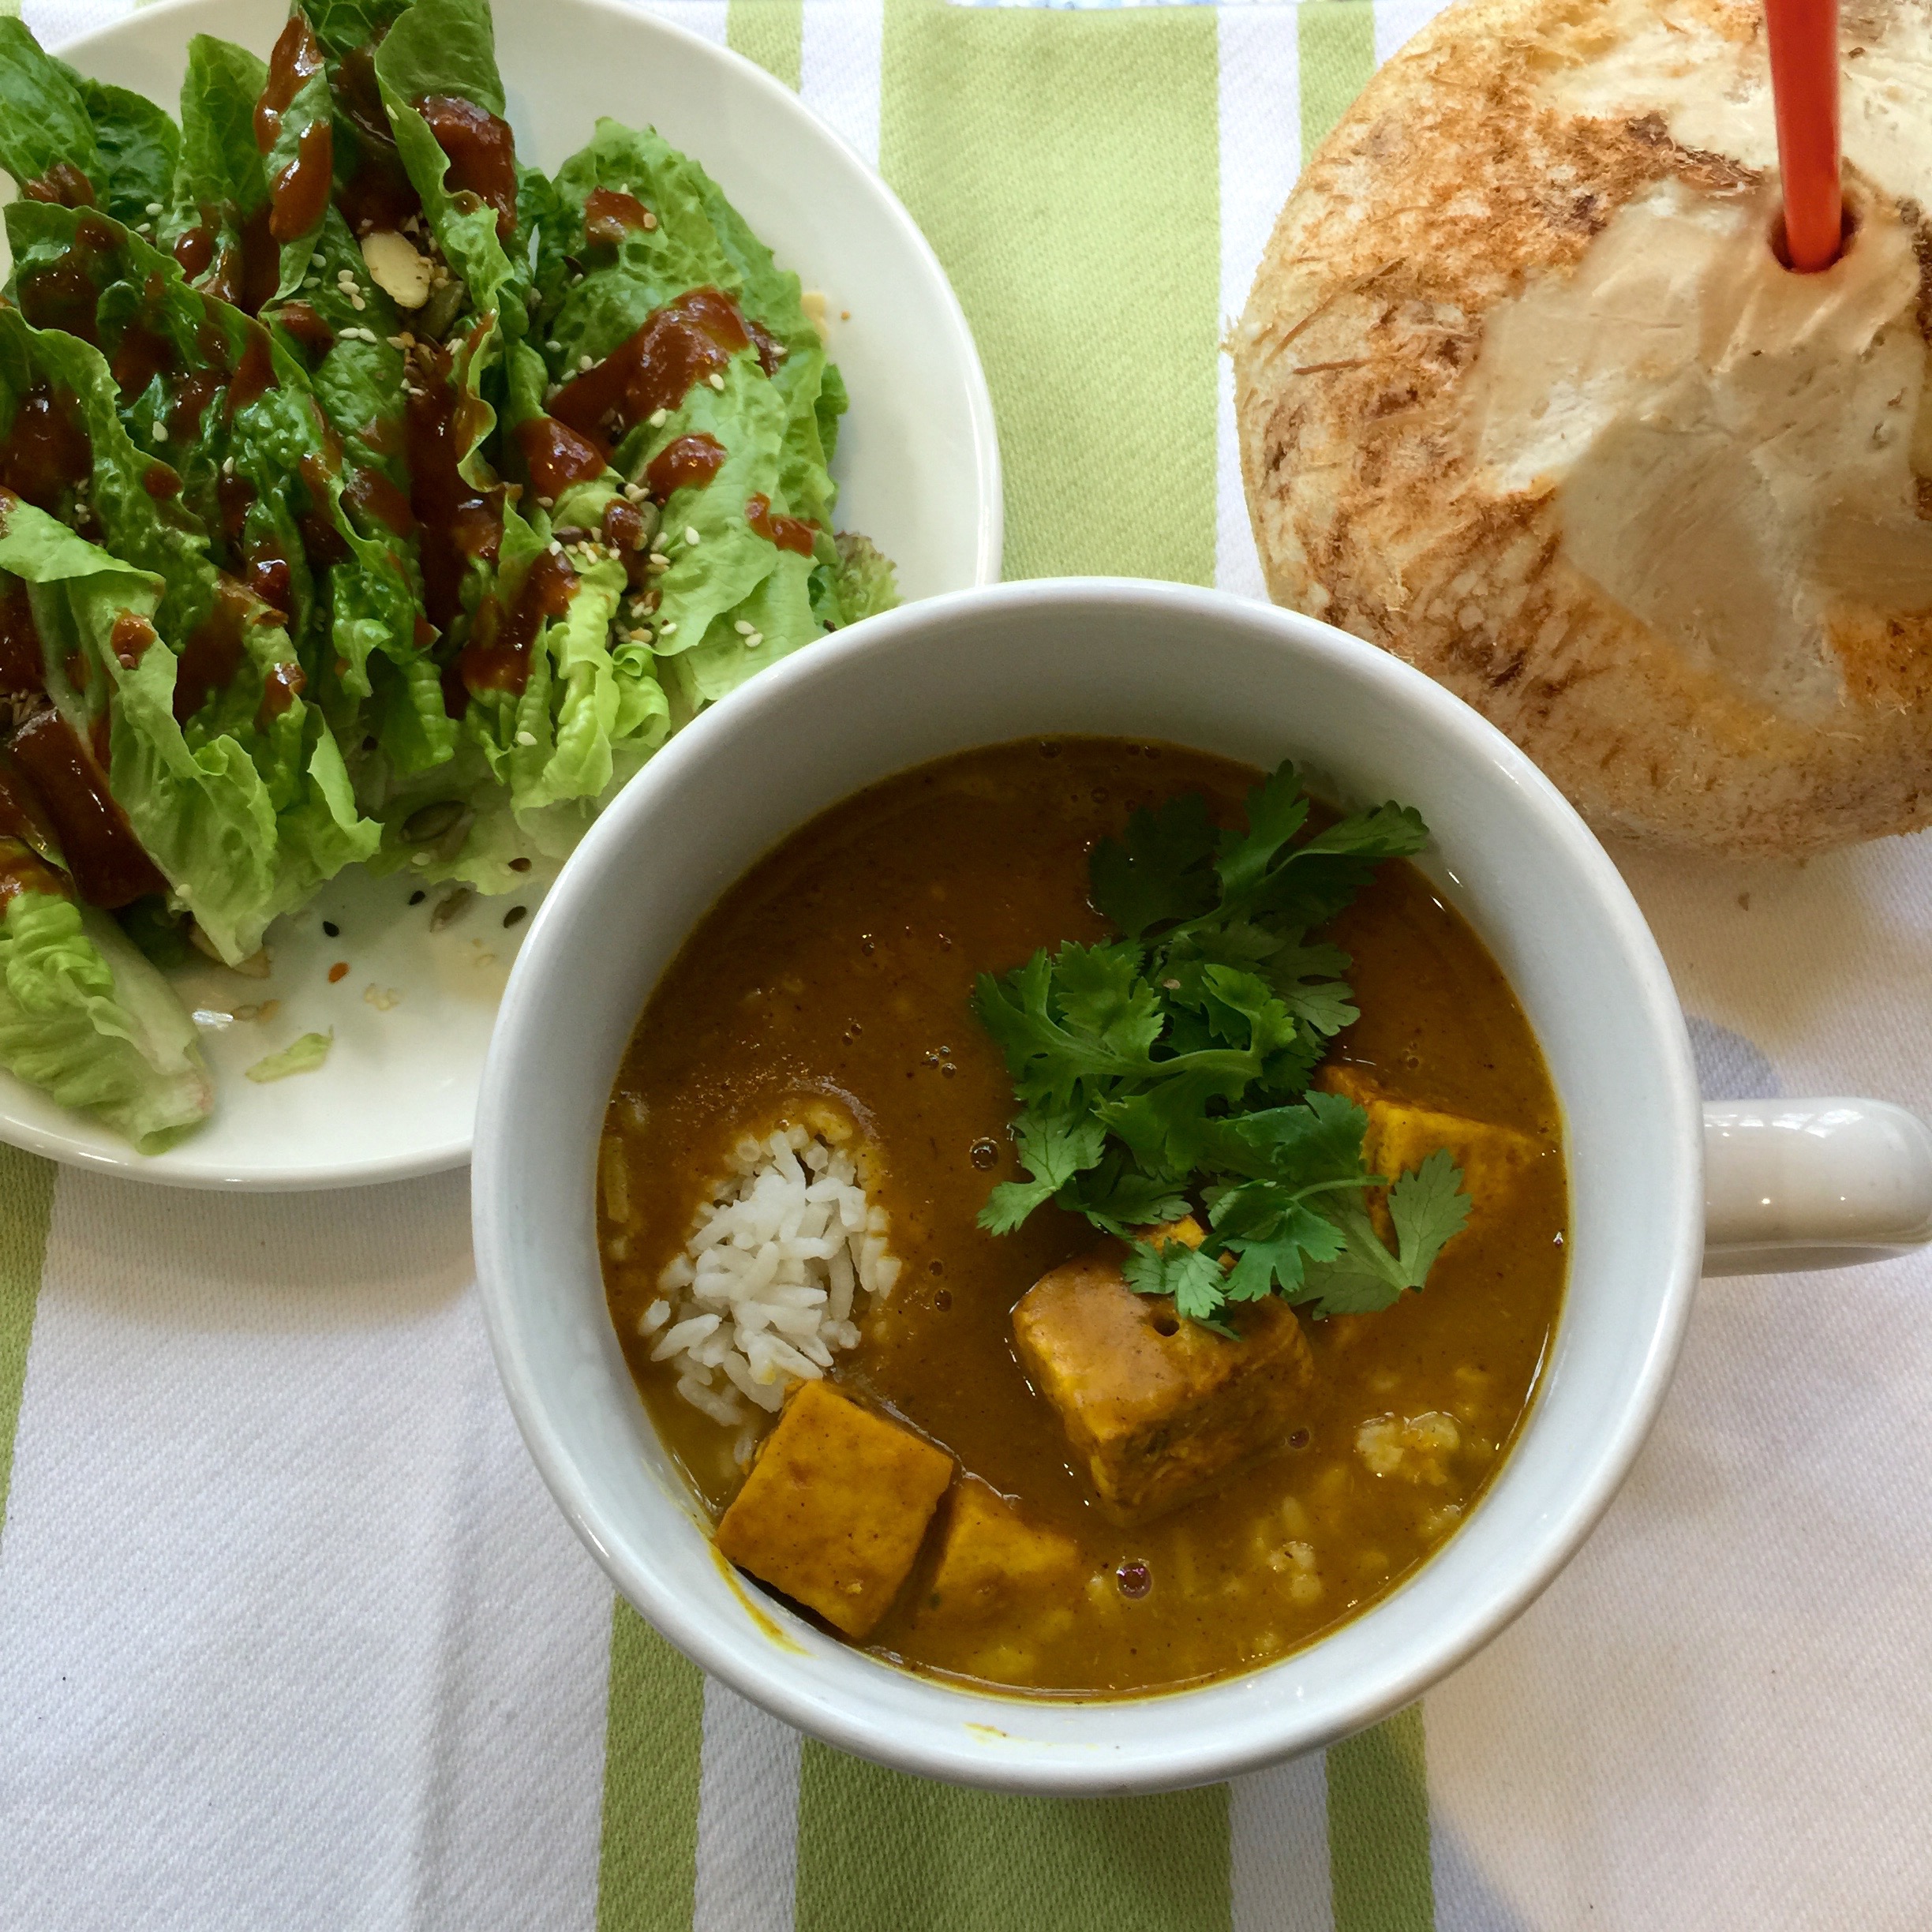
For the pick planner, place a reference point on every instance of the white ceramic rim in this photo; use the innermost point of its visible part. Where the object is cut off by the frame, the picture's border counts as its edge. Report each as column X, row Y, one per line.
column 972, row 1749
column 180, row 1167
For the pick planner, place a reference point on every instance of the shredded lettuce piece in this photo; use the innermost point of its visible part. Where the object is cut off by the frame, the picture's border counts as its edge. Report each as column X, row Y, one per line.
column 85, row 1018
column 301, row 1056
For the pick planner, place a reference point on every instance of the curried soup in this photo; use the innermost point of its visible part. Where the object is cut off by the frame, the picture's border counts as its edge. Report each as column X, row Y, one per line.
column 983, row 1456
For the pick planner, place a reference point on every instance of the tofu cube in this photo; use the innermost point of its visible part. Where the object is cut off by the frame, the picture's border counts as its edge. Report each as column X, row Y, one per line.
column 835, row 1507
column 1494, row 1159
column 989, row 1554
column 1158, row 1408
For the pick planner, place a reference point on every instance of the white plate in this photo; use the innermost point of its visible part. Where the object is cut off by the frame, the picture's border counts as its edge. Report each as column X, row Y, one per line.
column 917, row 471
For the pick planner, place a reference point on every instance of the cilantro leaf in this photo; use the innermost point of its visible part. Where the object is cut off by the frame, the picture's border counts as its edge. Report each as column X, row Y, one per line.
column 1191, row 1275
column 1053, row 1149
column 1173, row 1064
column 1277, row 810
column 1117, row 1196
column 1160, row 873
column 1426, row 1206
column 1308, row 981
column 1102, row 995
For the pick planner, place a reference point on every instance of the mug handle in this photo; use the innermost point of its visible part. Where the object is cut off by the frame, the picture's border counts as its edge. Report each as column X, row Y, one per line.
column 1794, row 1185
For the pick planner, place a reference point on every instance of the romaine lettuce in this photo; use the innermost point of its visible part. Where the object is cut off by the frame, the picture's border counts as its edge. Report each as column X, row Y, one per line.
column 83, row 1016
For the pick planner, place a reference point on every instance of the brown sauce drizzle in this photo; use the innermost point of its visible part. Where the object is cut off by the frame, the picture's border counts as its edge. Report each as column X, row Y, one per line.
column 254, row 375
column 557, row 455
column 358, row 94
column 685, row 462
column 140, row 356
column 623, row 524
column 130, row 639
column 482, row 150
column 160, row 482
column 194, row 248
column 23, row 661
column 322, row 541
column 655, row 366
column 96, row 841
column 610, row 214
column 214, row 650
column 63, row 185
column 296, row 60
column 269, row 576
column 247, row 276
column 497, row 656
column 192, row 398
column 62, row 296
column 457, row 521
column 370, row 491
column 299, row 196
column 378, row 193
column 793, row 534
column 280, row 688
column 261, row 260
column 234, row 495
column 45, row 451
column 305, row 323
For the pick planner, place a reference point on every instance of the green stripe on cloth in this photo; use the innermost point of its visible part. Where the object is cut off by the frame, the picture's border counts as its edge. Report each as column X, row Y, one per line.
column 771, row 32
column 881, row 1852
column 1378, row 1829
column 1064, row 167
column 26, row 1205
column 653, row 1735
column 1336, row 42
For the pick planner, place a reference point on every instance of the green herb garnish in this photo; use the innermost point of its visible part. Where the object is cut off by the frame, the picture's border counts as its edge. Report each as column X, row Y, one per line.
column 1173, row 1064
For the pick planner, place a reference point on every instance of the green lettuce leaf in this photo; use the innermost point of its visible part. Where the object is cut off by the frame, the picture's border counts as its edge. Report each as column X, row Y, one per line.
column 85, row 1018
column 43, row 116
column 866, row 583
column 245, row 809
column 140, row 149
column 301, row 1056
column 220, row 184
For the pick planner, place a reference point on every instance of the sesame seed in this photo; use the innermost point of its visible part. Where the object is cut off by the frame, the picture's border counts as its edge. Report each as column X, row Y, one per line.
column 742, row 628
column 691, row 535
column 664, row 630
column 159, row 432
column 657, row 418
column 716, row 378
column 357, row 303
column 585, row 362
column 421, row 858
column 756, row 638
column 650, row 221
column 154, row 208
column 555, row 348
column 526, row 738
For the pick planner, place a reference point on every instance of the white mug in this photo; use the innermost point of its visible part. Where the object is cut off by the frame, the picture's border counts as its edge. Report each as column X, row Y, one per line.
column 1661, row 1188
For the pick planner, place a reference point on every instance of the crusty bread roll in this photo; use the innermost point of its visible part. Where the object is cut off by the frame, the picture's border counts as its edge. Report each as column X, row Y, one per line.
column 1527, row 397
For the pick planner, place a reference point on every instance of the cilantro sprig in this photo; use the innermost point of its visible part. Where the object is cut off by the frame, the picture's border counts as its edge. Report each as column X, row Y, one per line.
column 1171, row 1065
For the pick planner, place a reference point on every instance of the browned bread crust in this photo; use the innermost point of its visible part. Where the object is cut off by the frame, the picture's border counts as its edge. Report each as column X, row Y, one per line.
column 1467, row 190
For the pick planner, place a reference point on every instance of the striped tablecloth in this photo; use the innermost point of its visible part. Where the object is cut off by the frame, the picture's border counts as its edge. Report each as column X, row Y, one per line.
column 291, row 1636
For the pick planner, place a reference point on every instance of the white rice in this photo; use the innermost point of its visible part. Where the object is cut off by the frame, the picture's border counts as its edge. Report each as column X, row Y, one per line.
column 762, row 1294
